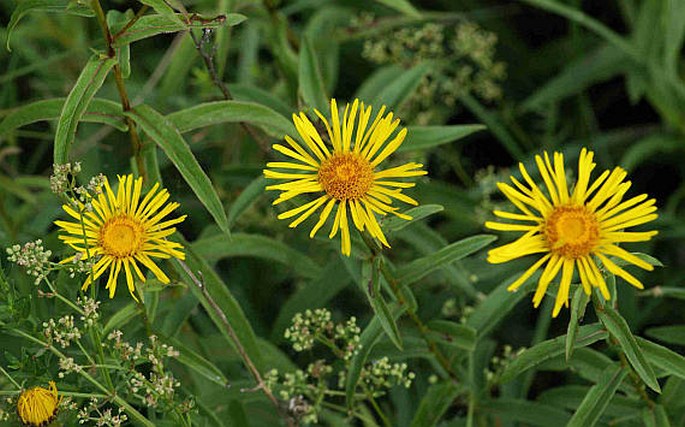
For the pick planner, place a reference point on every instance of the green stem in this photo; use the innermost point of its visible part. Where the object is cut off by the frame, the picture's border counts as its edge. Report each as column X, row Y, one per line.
column 377, row 408
column 9, row 377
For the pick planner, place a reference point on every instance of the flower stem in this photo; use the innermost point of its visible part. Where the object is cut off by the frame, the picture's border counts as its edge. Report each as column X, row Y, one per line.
column 9, row 377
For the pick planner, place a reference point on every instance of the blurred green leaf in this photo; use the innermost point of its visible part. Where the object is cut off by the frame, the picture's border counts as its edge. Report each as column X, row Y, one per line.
column 529, row 413
column 26, row 6
column 121, row 317
column 217, row 247
column 546, row 350
column 312, row 87
column 394, row 223
column 198, row 363
column 163, row 9
column 655, row 417
column 213, row 113
column 247, row 198
column 165, row 134
column 454, row 334
column 434, row 403
column 598, row 397
column 88, row 83
column 424, row 137
column 578, row 305
column 402, row 6
column 671, row 334
column 421, row 267
column 370, row 284
column 618, row 328
column 493, row 120
column 391, row 86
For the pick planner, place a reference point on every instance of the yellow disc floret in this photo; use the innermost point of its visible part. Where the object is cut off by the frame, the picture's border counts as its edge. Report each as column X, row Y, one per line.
column 121, row 236
column 346, row 176
column 38, row 406
column 572, row 231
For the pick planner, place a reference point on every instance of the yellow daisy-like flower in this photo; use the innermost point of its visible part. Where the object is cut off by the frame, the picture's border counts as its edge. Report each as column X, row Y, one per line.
column 572, row 228
column 341, row 167
column 121, row 231
column 37, row 406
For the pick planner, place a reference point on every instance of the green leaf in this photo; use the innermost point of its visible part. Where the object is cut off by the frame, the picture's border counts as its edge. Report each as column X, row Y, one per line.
column 162, row 8
column 435, row 402
column 395, row 92
column 247, row 198
column 121, row 317
column 198, row 363
column 546, row 350
column 99, row 111
column 394, row 223
column 402, row 6
column 669, row 334
column 529, row 413
column 223, row 300
column 454, row 334
column 217, row 247
column 314, row 294
column 495, row 124
column 88, row 83
column 368, row 339
column 663, row 358
column 212, row 113
column 421, row 267
column 597, row 399
column 424, row 137
column 655, row 417
column 371, row 285
column 312, row 87
column 618, row 328
column 152, row 25
column 164, row 134
column 597, row 66
column 495, row 307
column 249, row 93
column 26, row 6
column 571, row 396
column 578, row 305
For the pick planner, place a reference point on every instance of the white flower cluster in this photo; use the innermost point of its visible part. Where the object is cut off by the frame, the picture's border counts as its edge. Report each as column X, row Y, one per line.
column 33, row 257
column 63, row 332
column 67, row 365
column 90, row 310
column 93, row 414
column 62, row 176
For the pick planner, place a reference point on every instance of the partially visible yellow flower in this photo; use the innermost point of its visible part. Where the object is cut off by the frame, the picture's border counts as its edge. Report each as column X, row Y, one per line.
column 37, row 406
column 121, row 231
column 573, row 228
column 340, row 168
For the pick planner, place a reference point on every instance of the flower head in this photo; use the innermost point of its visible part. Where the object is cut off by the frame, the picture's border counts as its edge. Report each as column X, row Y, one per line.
column 121, row 231
column 340, row 168
column 573, row 229
column 38, row 406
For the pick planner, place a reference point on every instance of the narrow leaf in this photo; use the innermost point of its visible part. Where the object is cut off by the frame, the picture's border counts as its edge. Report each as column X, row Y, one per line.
column 212, row 113
column 674, row 334
column 217, row 247
column 162, row 8
column 152, row 25
column 247, row 198
column 99, row 111
column 619, row 329
column 424, row 137
column 454, row 334
column 371, row 286
column 546, row 350
column 26, row 6
column 435, row 402
column 403, row 6
column 165, row 134
column 417, row 213
column 578, row 305
column 198, row 363
column 88, row 83
column 421, row 267
column 663, row 358
column 527, row 412
column 597, row 399
column 121, row 317
column 312, row 87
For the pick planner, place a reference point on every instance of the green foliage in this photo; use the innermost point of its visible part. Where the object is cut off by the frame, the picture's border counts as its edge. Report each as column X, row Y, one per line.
column 261, row 325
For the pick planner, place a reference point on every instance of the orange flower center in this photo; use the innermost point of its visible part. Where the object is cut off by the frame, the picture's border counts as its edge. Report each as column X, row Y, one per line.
column 121, row 236
column 572, row 231
column 346, row 176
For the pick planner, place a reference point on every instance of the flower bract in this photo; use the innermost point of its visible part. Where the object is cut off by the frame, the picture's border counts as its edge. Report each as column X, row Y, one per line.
column 340, row 166
column 122, row 231
column 38, row 406
column 572, row 229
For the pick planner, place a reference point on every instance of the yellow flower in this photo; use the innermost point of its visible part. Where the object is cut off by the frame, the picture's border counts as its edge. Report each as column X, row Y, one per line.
column 122, row 231
column 38, row 406
column 573, row 229
column 340, row 168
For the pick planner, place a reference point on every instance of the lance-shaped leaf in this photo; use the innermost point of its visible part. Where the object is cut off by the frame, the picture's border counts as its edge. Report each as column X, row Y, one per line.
column 424, row 137
column 597, row 399
column 168, row 138
column 88, row 83
column 578, row 305
column 312, row 87
column 152, row 25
